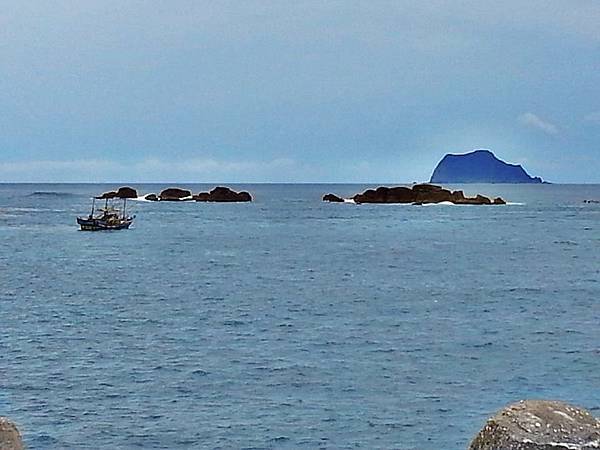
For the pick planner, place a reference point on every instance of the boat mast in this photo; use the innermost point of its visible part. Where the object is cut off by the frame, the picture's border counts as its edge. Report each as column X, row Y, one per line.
column 93, row 205
column 124, row 207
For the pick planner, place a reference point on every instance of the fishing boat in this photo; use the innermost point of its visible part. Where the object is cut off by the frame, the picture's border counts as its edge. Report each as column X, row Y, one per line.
column 107, row 218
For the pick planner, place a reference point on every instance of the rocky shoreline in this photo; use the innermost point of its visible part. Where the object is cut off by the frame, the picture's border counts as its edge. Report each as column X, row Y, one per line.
column 419, row 194
column 539, row 425
column 525, row 425
column 10, row 437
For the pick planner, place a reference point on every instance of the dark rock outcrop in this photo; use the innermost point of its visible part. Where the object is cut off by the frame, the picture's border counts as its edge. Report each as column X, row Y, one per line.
column 479, row 166
column 10, row 438
column 421, row 194
column 332, row 198
column 122, row 192
column 539, row 425
column 151, row 197
column 223, row 194
column 174, row 195
column 109, row 195
column 127, row 192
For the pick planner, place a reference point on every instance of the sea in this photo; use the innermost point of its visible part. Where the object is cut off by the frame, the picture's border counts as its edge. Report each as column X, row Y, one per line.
column 292, row 323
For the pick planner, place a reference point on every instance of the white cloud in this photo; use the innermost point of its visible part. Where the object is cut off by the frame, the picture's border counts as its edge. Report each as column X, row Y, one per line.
column 148, row 170
column 531, row 120
column 593, row 117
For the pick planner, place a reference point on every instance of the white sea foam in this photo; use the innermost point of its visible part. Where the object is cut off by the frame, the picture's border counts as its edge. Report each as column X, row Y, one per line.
column 439, row 203
column 140, row 199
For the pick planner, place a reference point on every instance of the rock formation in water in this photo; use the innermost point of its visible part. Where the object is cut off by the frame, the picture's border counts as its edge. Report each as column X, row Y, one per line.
column 109, row 195
column 122, row 192
column 223, row 194
column 419, row 194
column 127, row 192
column 479, row 166
column 10, row 438
column 174, row 195
column 332, row 198
column 151, row 197
column 539, row 425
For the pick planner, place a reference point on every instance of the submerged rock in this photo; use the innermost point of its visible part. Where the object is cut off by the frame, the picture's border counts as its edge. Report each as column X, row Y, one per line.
column 223, row 194
column 539, row 425
column 479, row 166
column 332, row 198
column 174, row 195
column 420, row 194
column 10, row 437
column 127, row 192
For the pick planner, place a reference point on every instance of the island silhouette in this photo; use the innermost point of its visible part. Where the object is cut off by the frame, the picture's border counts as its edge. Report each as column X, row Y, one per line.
column 479, row 166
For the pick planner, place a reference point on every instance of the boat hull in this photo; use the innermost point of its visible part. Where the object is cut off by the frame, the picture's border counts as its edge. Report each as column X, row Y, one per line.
column 101, row 225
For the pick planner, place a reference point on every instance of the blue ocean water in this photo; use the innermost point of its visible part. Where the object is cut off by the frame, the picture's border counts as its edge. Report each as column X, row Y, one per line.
column 291, row 323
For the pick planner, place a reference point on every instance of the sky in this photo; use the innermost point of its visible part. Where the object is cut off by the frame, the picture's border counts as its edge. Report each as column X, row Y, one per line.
column 295, row 91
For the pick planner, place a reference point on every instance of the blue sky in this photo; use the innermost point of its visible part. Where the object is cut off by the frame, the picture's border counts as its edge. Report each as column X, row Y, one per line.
column 295, row 91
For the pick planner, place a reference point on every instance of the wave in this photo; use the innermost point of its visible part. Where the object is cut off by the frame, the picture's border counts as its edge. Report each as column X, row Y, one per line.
column 50, row 194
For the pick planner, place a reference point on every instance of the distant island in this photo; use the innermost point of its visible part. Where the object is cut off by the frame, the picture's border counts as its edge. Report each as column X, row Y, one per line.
column 479, row 166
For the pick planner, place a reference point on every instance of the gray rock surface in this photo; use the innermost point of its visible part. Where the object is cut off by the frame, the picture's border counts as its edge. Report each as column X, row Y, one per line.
column 10, row 438
column 539, row 425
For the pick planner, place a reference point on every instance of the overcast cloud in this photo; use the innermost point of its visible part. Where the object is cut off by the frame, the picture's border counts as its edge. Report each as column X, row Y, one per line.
column 295, row 91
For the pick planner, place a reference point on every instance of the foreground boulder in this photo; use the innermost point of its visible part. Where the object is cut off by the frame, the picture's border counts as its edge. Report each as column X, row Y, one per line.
column 174, row 195
column 419, row 194
column 127, row 192
column 223, row 194
column 332, row 198
column 539, row 425
column 10, row 438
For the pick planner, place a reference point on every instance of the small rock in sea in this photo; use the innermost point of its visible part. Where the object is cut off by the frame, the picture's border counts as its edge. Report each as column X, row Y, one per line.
column 174, row 195
column 223, row 194
column 151, row 197
column 10, row 438
column 591, row 201
column 109, row 195
column 332, row 198
column 539, row 425
column 499, row 201
column 126, row 192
